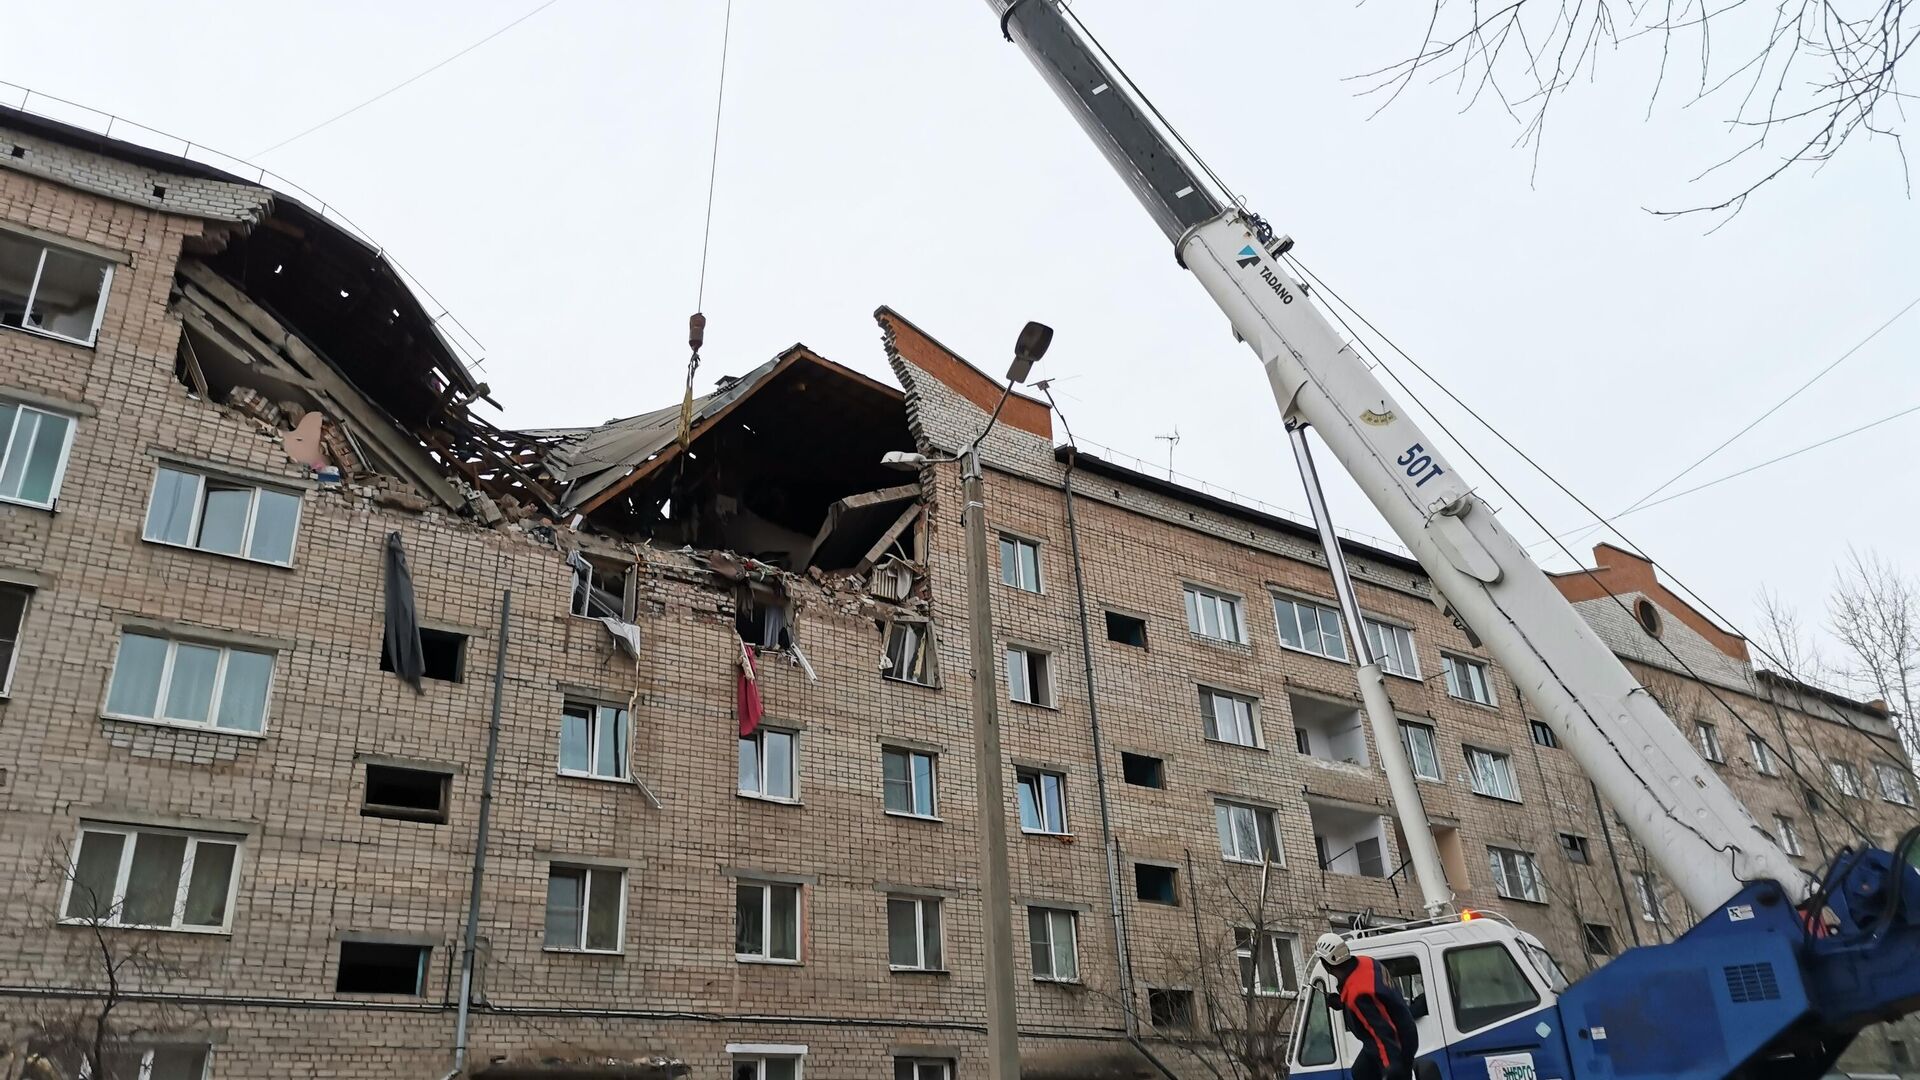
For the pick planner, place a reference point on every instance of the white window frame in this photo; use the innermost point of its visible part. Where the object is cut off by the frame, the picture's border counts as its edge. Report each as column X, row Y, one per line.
column 1535, row 728
column 200, row 507
column 1210, row 698
column 1845, row 778
column 1901, row 793
column 913, row 783
column 1260, row 857
column 1765, row 762
column 1459, row 688
column 19, row 629
column 1788, row 836
column 1038, row 779
column 1053, row 918
column 21, row 409
column 130, row 836
column 759, row 737
column 144, row 1071
column 919, row 932
column 919, row 640
column 1503, row 761
column 166, row 683
column 593, row 570
column 1407, row 729
column 1320, row 610
column 1018, row 543
column 1707, row 736
column 1508, row 864
column 765, row 955
column 1201, row 600
column 1646, row 890
column 586, row 909
column 1031, row 662
column 759, row 1053
column 1379, row 632
column 924, row 1068
column 40, row 267
column 1247, row 944
column 594, row 719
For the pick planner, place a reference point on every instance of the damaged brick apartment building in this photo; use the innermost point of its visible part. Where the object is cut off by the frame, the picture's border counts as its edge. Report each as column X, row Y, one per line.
column 238, row 819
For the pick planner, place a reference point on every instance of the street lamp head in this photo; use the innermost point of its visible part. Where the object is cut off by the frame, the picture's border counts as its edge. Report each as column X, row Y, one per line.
column 1028, row 348
column 904, row 460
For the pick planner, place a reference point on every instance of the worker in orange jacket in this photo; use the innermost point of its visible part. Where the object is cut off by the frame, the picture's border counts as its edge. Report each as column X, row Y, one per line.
column 1376, row 1011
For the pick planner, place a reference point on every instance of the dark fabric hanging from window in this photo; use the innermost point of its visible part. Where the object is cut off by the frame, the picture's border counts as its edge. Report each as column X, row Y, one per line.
column 402, row 640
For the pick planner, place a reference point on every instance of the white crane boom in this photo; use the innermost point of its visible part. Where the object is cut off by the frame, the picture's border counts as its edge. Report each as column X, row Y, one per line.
column 1696, row 831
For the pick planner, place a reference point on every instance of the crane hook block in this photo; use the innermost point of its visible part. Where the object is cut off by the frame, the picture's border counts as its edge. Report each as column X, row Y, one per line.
column 697, row 331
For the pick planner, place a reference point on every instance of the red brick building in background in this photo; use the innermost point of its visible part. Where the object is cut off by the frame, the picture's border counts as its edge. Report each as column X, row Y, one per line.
column 229, row 826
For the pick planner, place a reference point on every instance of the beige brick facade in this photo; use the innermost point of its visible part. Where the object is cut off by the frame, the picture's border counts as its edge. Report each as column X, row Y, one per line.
column 314, row 872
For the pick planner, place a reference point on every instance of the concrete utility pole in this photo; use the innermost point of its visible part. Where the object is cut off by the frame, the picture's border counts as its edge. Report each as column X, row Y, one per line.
column 996, row 895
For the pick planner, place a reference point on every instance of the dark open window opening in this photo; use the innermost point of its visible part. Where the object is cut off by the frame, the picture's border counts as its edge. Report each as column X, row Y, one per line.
column 1156, row 884
column 1127, row 629
column 1598, row 938
column 1170, row 1008
column 1542, row 734
column 1575, row 848
column 442, row 651
column 394, row 791
column 760, row 617
column 368, row 967
column 1141, row 770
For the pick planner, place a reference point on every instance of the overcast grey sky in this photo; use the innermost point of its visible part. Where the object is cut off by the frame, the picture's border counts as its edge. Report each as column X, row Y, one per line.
column 548, row 187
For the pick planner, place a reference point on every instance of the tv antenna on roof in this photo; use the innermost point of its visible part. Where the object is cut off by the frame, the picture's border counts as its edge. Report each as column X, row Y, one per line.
column 1172, row 440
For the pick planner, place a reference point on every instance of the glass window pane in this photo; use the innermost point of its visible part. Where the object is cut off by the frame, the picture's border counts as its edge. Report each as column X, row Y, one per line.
column 746, row 1069
column 95, row 870
column 1029, row 793
column 930, row 930
column 1017, row 676
column 609, row 752
column 68, row 294
column 923, row 784
column 1193, row 611
column 566, row 906
column 1285, row 616
column 750, row 924
column 1009, row 571
column 1038, row 945
column 1333, row 642
column 136, row 675
column 170, row 514
column 1066, row 964
column 750, row 765
column 19, row 451
column 49, row 444
column 1486, row 985
column 1230, row 620
column 779, row 749
column 207, row 887
column 243, row 696
column 1266, row 970
column 781, row 1069
column 190, row 688
column 574, row 745
column 1311, row 638
column 19, row 263
column 1316, row 1035
column 1029, row 567
column 153, row 883
column 896, row 788
column 607, row 891
column 784, row 943
column 273, row 526
column 179, row 1063
column 903, row 933
column 1223, row 825
column 1246, row 836
column 1053, row 802
column 223, row 517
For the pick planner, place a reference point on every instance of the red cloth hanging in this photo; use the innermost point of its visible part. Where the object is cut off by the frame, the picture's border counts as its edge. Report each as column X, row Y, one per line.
column 748, row 694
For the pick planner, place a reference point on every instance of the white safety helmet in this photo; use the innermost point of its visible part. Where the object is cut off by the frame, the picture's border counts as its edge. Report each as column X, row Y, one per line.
column 1332, row 950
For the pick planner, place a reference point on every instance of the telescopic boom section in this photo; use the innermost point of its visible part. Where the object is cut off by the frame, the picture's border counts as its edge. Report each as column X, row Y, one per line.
column 1698, row 834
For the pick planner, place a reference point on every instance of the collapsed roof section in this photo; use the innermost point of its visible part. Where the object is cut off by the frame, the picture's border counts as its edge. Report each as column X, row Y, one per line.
column 781, row 464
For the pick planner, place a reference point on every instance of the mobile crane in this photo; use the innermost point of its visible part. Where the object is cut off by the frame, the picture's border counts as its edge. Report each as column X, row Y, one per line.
column 1781, row 971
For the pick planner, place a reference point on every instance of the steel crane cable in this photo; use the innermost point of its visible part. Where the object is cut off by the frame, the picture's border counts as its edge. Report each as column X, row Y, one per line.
column 1360, row 344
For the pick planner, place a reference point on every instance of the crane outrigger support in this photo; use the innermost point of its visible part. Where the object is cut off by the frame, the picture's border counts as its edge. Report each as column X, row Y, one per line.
column 1780, row 972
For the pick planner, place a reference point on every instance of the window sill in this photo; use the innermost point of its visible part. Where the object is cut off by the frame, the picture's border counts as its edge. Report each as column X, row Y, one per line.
column 1273, row 995
column 570, row 775
column 1890, row 802
column 1468, row 701
column 1513, row 800
column 917, row 970
column 1023, row 589
column 1024, row 831
column 1341, row 659
column 183, row 725
column 909, row 682
column 764, row 961
column 1034, row 704
column 404, row 813
column 1522, row 900
column 1343, row 766
column 1252, row 862
column 596, row 618
column 1237, row 745
column 582, row 952
column 771, row 799
column 218, row 554
column 1048, row 980
column 201, row 931
column 1222, row 643
column 48, row 507
column 903, row 815
column 50, row 336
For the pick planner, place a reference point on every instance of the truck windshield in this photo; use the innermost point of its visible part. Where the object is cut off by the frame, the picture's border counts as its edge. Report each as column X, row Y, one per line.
column 1316, row 1031
column 1486, row 985
column 1549, row 969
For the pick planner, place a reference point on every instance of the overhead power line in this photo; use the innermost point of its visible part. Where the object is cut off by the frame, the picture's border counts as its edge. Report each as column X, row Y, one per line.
column 409, row 81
